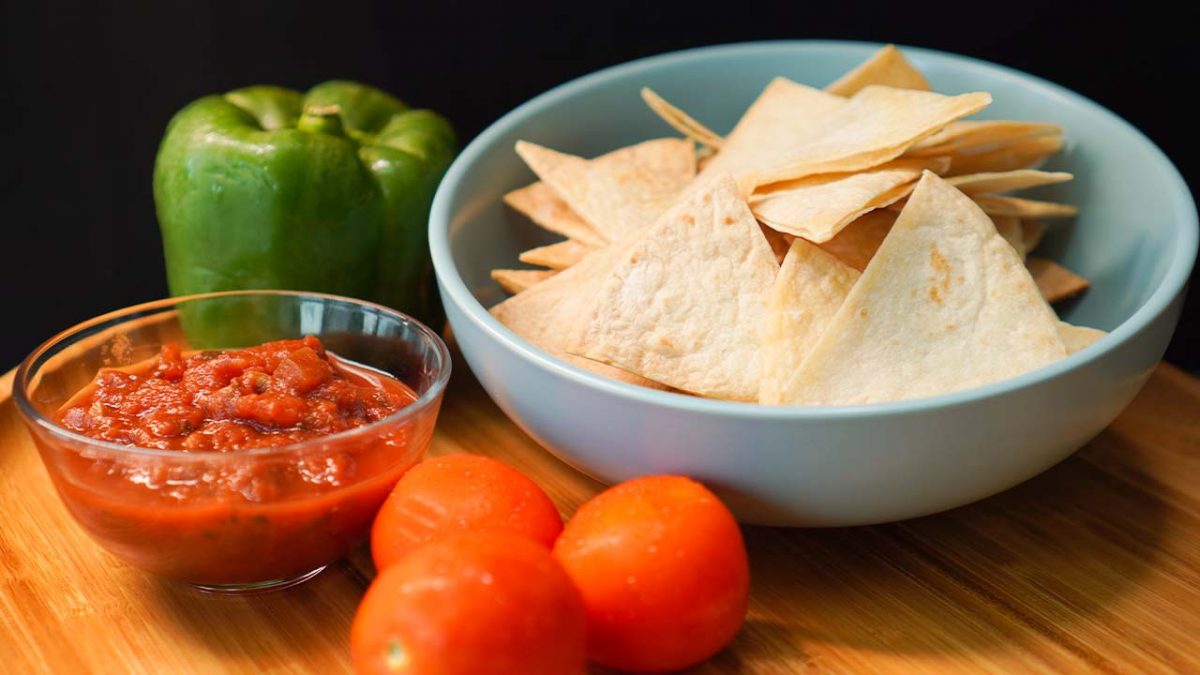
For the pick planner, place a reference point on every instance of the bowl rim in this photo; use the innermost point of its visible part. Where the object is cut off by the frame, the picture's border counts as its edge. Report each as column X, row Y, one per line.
column 32, row 415
column 1172, row 284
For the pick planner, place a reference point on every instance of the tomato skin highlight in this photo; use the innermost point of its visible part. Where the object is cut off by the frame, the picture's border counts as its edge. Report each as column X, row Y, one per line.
column 460, row 493
column 663, row 571
column 471, row 604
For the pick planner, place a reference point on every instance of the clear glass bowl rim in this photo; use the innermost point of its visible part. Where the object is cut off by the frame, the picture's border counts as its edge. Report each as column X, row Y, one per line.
column 117, row 317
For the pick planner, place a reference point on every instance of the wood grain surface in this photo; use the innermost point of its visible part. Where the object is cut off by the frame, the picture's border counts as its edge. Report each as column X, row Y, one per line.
column 1093, row 566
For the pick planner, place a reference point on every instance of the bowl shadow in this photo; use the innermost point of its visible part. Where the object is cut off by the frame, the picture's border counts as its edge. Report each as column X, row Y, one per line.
column 1036, row 563
column 305, row 625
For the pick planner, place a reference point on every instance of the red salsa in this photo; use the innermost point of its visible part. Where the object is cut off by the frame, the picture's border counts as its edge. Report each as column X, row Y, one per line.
column 226, row 516
column 274, row 394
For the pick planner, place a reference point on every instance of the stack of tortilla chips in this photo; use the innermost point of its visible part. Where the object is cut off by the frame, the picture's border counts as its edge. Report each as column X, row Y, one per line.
column 841, row 246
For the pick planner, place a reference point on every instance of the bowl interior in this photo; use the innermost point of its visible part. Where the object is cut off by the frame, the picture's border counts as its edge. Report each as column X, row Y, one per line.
column 1136, row 216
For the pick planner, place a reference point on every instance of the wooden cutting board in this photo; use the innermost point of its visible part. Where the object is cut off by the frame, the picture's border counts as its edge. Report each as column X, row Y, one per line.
column 1093, row 566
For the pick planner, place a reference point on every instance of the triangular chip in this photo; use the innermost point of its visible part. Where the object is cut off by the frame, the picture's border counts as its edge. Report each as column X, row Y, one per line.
column 621, row 192
column 818, row 207
column 809, row 289
column 680, row 120
column 685, row 303
column 548, row 210
column 557, row 256
column 877, row 125
column 775, row 128
column 547, row 313
column 887, row 67
column 1010, row 229
column 1023, row 208
column 1007, row 181
column 1055, row 282
column 792, row 131
column 1032, row 232
column 1021, row 154
column 980, row 134
column 944, row 305
column 515, row 281
column 856, row 244
column 1078, row 337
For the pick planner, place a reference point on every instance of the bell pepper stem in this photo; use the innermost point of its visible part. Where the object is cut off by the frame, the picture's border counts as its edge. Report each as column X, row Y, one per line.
column 322, row 119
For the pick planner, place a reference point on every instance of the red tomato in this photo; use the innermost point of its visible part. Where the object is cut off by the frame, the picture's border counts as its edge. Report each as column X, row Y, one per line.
column 460, row 493
column 663, row 572
column 472, row 604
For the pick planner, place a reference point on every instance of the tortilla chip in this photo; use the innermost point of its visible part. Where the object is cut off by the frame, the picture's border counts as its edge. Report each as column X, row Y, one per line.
column 545, row 314
column 817, row 211
column 1023, row 208
column 887, row 67
column 1032, row 232
column 818, row 207
column 809, row 289
column 515, row 281
column 772, row 130
column 1055, row 282
column 545, row 208
column 875, row 126
column 619, row 193
column 557, row 256
column 1078, row 337
column 541, row 314
column 1020, row 154
column 1010, row 229
column 944, row 305
column 685, row 303
column 681, row 121
column 1007, row 181
column 980, row 134
column 856, row 244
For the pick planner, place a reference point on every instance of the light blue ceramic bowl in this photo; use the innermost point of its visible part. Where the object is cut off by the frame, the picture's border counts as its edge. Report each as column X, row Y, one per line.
column 1135, row 240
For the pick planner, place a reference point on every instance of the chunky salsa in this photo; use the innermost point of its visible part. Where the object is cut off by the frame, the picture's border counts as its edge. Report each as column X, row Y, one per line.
column 226, row 516
column 274, row 394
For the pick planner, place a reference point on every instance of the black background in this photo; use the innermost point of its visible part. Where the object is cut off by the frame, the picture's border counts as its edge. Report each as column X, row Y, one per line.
column 88, row 89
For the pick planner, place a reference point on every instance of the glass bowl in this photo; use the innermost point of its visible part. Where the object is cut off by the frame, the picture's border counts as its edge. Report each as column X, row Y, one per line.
column 246, row 520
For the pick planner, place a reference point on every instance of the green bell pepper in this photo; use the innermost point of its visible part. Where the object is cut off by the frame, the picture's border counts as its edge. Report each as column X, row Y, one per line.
column 265, row 187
